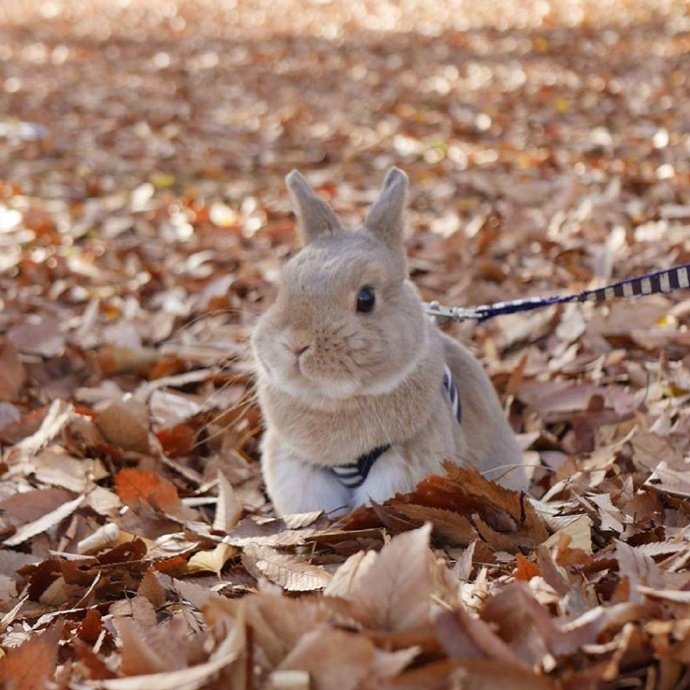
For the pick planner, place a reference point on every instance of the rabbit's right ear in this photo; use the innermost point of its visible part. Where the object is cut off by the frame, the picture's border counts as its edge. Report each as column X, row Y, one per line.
column 385, row 220
column 314, row 214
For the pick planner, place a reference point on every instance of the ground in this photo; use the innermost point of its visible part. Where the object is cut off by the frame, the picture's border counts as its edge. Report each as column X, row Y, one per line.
column 143, row 217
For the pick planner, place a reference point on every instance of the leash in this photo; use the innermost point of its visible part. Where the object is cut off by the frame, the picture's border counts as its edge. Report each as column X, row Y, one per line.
column 646, row 284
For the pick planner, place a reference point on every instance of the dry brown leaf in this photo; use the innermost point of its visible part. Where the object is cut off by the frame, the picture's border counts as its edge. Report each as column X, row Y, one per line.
column 29, row 506
column 177, row 441
column 611, row 518
column 192, row 593
column 349, row 572
column 57, row 417
column 125, row 424
column 137, row 656
column 277, row 622
column 464, row 637
column 151, row 589
column 39, row 336
column 674, row 595
column 290, row 572
column 522, row 623
column 12, row 372
column 33, row 663
column 395, row 590
column 273, row 532
column 585, row 629
column 446, row 523
column 288, row 680
column 639, row 568
column 135, row 487
column 488, row 675
column 55, row 468
column 670, row 481
column 334, row 659
column 212, row 560
column 44, row 523
column 114, row 359
column 228, row 508
column 190, row 678
column 577, row 534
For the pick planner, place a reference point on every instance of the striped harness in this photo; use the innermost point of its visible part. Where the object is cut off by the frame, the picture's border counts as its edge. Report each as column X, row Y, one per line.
column 353, row 474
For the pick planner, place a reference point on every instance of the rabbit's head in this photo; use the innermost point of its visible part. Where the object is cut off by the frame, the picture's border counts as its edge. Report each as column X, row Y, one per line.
column 347, row 321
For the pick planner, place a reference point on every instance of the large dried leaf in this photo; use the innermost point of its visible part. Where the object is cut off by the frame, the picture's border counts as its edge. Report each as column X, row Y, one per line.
column 32, row 664
column 126, row 425
column 670, row 481
column 345, row 578
column 47, row 521
column 190, row 678
column 638, row 567
column 57, row 417
column 334, row 659
column 290, row 572
column 135, row 487
column 446, row 523
column 395, row 590
column 464, row 637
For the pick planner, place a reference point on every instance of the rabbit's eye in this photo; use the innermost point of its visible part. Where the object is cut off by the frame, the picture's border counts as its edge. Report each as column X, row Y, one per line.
column 366, row 299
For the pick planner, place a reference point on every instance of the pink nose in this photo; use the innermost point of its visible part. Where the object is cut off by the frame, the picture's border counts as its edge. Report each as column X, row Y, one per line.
column 299, row 348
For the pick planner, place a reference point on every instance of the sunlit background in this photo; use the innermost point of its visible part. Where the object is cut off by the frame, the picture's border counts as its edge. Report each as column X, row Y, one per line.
column 518, row 123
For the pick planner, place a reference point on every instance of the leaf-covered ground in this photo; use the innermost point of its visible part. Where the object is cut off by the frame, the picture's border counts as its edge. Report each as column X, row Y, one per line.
column 142, row 220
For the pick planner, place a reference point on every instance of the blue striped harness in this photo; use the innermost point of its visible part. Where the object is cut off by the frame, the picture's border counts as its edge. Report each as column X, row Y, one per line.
column 352, row 475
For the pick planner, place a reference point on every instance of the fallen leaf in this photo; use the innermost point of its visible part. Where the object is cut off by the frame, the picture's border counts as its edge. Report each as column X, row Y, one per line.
column 33, row 663
column 290, row 572
column 135, row 487
column 334, row 659
column 344, row 579
column 125, row 424
column 53, row 423
column 577, row 534
column 12, row 372
column 177, row 441
column 43, row 523
column 395, row 590
column 211, row 561
column 464, row 637
column 185, row 679
column 39, row 336
column 638, row 567
column 228, row 508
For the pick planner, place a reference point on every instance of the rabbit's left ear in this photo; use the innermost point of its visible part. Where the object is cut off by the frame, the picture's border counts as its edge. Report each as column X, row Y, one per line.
column 385, row 220
column 314, row 214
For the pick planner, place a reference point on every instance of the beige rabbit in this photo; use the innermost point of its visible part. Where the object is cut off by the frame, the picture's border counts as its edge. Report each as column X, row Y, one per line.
column 362, row 395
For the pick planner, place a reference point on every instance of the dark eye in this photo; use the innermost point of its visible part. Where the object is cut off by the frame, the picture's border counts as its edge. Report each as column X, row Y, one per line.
column 366, row 299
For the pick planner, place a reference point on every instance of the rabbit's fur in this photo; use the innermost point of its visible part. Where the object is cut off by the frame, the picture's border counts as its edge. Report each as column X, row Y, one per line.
column 334, row 383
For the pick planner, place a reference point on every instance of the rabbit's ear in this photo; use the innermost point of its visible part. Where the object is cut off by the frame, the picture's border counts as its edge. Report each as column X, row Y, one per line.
column 315, row 215
column 385, row 220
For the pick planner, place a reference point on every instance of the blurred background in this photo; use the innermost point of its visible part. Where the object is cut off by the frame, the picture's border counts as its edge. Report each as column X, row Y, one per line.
column 174, row 118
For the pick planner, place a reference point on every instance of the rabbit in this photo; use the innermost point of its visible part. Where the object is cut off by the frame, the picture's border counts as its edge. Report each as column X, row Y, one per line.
column 362, row 395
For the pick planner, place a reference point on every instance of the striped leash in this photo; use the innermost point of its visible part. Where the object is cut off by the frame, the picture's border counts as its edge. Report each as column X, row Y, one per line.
column 647, row 284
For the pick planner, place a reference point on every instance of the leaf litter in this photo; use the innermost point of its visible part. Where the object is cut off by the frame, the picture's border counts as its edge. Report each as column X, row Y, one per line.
column 143, row 219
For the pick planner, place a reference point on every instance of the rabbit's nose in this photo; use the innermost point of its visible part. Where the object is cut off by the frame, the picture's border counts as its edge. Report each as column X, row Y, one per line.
column 299, row 348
